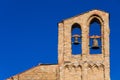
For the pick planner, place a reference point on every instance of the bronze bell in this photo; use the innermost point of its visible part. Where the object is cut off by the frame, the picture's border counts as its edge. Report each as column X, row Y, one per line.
column 76, row 37
column 95, row 44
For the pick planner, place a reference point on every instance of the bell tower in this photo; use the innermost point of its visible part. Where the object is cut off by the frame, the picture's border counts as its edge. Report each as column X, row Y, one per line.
column 83, row 52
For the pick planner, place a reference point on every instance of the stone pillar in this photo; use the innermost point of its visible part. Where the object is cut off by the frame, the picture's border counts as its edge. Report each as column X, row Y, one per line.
column 60, row 43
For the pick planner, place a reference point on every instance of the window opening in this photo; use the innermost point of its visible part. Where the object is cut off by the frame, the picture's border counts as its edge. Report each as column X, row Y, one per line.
column 95, row 37
column 76, row 39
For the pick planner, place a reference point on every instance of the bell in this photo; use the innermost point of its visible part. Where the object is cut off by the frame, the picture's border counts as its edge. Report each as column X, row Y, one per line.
column 76, row 37
column 95, row 44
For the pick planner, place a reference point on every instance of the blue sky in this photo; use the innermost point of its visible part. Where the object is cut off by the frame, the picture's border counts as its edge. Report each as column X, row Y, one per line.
column 28, row 31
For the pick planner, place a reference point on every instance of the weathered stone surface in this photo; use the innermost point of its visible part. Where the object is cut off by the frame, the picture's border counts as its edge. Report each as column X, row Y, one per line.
column 40, row 72
column 76, row 67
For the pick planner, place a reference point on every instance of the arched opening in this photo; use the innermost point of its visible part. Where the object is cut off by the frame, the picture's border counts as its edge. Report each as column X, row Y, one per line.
column 76, row 39
column 95, row 36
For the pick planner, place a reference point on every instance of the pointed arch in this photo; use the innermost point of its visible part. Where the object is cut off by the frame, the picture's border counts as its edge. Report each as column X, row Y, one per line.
column 95, row 24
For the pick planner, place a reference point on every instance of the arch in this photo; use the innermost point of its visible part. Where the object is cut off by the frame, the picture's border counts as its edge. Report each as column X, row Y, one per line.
column 76, row 32
column 66, row 66
column 95, row 66
column 89, row 66
column 76, row 25
column 101, row 66
column 73, row 65
column 99, row 19
column 79, row 66
column 95, row 24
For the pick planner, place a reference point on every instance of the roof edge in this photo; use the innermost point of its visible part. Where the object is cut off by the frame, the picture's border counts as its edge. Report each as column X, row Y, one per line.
column 84, row 13
column 40, row 64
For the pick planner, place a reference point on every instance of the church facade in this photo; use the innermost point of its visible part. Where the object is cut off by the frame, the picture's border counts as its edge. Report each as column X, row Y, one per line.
column 90, row 63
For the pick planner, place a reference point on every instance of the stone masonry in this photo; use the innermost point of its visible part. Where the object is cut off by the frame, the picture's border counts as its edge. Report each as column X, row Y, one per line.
column 84, row 66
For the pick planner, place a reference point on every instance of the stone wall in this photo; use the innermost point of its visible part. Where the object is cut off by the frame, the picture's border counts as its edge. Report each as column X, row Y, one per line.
column 83, row 66
column 91, row 66
column 41, row 72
